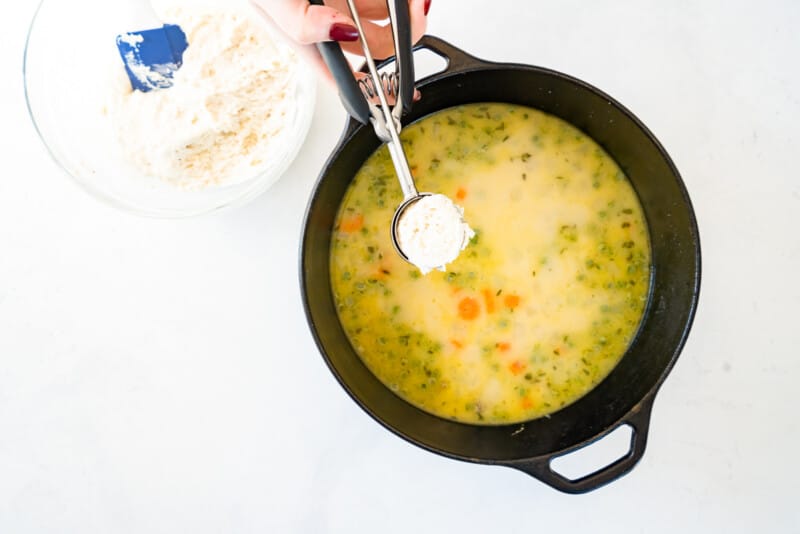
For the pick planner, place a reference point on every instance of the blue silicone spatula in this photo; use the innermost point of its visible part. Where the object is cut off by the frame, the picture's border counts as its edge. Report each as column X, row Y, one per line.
column 152, row 56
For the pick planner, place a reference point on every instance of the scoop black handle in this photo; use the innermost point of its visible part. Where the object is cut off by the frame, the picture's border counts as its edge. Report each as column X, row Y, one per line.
column 353, row 100
column 404, row 54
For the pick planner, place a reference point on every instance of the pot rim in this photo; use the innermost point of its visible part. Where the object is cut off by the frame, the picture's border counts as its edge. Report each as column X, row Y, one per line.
column 636, row 416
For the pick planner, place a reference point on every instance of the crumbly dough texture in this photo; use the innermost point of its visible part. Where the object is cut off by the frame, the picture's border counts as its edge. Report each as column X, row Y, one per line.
column 227, row 111
column 432, row 232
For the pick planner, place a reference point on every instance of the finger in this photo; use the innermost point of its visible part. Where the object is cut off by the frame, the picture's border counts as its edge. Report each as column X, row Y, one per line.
column 380, row 38
column 307, row 52
column 292, row 18
column 381, row 42
column 418, row 10
column 308, row 24
column 367, row 9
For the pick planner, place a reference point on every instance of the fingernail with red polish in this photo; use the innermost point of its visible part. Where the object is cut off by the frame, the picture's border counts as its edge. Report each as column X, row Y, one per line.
column 343, row 32
column 427, row 7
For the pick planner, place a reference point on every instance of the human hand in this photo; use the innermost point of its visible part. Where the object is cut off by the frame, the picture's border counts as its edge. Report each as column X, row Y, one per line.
column 307, row 24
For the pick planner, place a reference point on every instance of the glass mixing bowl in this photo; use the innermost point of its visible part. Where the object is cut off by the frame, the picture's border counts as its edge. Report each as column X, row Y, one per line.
column 70, row 49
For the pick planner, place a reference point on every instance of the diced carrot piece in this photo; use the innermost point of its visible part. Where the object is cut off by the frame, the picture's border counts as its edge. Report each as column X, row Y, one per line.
column 456, row 343
column 461, row 194
column 382, row 272
column 504, row 346
column 527, row 403
column 468, row 308
column 488, row 299
column 511, row 301
column 516, row 367
column 351, row 224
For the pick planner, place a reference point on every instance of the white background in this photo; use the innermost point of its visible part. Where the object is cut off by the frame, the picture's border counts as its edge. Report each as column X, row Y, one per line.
column 159, row 377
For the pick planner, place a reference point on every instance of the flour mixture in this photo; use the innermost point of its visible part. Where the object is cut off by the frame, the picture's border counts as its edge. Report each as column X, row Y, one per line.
column 226, row 114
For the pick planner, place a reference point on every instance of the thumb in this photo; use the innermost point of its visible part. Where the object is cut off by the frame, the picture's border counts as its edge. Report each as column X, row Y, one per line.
column 306, row 23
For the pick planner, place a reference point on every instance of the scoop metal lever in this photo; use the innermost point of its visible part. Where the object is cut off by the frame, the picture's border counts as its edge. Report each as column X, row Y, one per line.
column 385, row 120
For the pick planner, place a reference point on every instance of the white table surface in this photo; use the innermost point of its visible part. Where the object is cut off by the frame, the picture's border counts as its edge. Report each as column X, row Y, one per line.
column 159, row 377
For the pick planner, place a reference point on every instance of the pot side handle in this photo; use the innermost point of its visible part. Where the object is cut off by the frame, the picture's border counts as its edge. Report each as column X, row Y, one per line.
column 639, row 421
column 457, row 59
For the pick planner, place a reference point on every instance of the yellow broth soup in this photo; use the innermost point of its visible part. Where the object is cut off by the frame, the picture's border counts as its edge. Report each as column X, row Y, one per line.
column 540, row 306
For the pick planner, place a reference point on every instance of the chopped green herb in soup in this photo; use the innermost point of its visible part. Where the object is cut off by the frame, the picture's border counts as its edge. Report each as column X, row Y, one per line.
column 539, row 307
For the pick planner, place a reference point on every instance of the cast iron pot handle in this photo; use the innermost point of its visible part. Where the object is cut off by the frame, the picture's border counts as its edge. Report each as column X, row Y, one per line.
column 456, row 58
column 639, row 421
column 457, row 61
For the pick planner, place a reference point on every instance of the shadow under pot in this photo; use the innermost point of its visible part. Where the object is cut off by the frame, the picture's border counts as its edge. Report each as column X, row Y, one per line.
column 626, row 395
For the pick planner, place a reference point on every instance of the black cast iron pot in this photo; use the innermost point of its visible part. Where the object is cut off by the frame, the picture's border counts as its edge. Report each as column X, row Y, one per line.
column 626, row 395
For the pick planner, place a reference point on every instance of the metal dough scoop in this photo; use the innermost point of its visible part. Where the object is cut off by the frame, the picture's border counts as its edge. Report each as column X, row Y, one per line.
column 357, row 96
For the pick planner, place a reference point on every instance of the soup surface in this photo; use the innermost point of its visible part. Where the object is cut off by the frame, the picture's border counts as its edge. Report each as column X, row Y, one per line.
column 543, row 302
